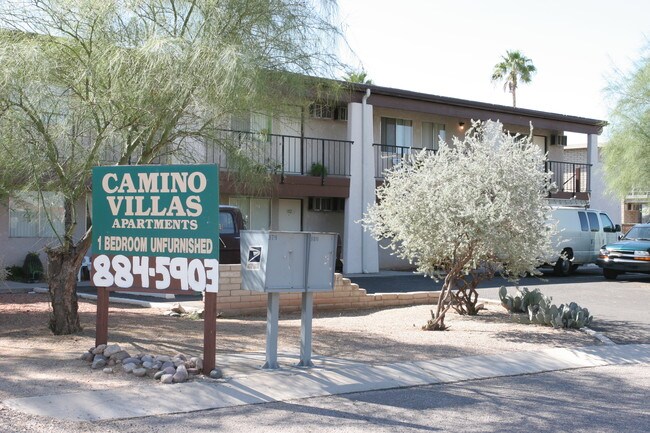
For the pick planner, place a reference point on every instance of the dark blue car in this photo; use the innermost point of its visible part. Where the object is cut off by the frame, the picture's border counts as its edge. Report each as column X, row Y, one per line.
column 630, row 254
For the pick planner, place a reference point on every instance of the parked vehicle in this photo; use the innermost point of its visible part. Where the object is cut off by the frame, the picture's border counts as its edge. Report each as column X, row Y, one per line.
column 231, row 223
column 630, row 254
column 580, row 233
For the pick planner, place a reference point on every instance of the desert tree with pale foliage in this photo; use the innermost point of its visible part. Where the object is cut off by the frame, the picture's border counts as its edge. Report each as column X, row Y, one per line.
column 466, row 212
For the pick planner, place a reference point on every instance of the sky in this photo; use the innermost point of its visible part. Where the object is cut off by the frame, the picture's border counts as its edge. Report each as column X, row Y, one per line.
column 450, row 47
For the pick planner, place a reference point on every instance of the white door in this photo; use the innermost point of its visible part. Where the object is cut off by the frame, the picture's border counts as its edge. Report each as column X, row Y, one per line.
column 290, row 215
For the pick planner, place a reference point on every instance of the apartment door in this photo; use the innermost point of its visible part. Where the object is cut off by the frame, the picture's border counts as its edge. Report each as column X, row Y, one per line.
column 290, row 215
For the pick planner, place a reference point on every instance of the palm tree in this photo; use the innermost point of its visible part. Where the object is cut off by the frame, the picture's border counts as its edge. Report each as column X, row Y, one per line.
column 357, row 77
column 513, row 68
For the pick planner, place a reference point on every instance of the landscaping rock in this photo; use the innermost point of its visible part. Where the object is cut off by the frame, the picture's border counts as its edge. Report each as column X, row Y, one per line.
column 216, row 374
column 167, row 378
column 111, row 350
column 169, row 370
column 178, row 308
column 181, row 374
column 120, row 356
column 99, row 362
column 163, row 358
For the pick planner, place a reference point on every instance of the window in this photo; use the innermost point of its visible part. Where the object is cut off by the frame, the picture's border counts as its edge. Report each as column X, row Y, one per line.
column 321, row 110
column 256, row 211
column 608, row 225
column 251, row 122
column 432, row 134
column 326, row 204
column 593, row 221
column 396, row 132
column 34, row 216
column 226, row 223
column 342, row 113
column 584, row 226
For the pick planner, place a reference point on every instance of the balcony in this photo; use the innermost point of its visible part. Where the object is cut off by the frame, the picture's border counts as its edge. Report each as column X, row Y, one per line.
column 573, row 180
column 386, row 157
column 281, row 154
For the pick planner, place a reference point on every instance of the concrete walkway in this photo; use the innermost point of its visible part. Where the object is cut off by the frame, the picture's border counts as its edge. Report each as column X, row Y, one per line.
column 330, row 377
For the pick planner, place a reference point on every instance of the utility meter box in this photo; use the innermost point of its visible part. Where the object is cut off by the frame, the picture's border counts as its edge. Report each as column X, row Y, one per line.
column 275, row 261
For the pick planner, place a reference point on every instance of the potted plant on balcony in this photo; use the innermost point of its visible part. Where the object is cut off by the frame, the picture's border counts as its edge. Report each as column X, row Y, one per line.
column 318, row 169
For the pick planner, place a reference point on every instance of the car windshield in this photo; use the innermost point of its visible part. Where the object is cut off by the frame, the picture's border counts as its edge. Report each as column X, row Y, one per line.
column 638, row 233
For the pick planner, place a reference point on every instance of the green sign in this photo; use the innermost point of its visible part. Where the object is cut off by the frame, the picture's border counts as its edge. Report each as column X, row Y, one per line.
column 156, row 227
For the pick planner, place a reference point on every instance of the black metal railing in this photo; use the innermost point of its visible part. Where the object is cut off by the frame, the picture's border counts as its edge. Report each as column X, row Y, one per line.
column 386, row 157
column 281, row 154
column 571, row 177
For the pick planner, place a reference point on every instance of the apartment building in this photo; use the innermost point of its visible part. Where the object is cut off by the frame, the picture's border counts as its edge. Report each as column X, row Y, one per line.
column 325, row 161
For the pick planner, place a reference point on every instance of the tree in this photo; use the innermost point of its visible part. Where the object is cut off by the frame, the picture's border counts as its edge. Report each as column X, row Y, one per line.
column 513, row 68
column 91, row 82
column 466, row 212
column 627, row 153
column 360, row 77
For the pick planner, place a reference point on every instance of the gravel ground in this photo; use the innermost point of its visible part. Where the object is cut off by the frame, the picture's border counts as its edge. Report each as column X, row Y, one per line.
column 35, row 362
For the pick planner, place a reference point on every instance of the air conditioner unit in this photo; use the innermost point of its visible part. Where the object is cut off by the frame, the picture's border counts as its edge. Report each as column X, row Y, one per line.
column 558, row 140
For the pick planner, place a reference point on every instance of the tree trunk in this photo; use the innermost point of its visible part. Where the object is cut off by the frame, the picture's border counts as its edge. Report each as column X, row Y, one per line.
column 437, row 321
column 62, row 281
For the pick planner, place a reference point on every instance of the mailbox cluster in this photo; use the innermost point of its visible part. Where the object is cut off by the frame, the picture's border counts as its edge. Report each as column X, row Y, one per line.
column 277, row 262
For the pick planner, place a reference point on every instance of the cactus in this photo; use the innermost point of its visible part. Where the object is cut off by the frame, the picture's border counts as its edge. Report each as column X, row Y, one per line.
column 542, row 311
column 522, row 299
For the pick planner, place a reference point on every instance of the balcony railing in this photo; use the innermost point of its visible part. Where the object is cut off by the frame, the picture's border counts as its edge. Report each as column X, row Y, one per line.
column 386, row 157
column 281, row 154
column 571, row 178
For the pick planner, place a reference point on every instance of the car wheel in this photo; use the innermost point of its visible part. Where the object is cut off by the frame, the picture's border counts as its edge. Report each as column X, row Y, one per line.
column 610, row 274
column 562, row 267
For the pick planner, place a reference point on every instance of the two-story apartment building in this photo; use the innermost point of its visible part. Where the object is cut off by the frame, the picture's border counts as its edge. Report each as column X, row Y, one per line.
column 327, row 159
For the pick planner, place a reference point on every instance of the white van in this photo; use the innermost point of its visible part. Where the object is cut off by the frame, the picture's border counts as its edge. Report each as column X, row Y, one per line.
column 580, row 234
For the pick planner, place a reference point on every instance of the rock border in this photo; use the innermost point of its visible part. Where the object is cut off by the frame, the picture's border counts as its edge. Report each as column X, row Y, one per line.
column 168, row 369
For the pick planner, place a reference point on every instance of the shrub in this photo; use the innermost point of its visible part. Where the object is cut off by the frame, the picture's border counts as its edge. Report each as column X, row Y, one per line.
column 15, row 273
column 33, row 267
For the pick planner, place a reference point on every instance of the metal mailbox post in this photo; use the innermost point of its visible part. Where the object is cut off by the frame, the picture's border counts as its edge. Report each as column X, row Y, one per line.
column 275, row 262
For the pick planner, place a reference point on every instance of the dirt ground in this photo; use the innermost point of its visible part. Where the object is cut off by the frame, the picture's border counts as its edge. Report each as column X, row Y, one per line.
column 35, row 362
